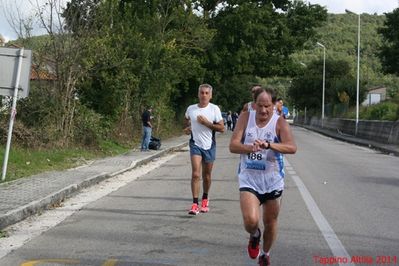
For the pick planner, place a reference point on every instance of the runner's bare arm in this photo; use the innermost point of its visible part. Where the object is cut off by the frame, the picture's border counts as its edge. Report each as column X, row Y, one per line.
column 236, row 146
column 245, row 108
column 287, row 144
column 187, row 129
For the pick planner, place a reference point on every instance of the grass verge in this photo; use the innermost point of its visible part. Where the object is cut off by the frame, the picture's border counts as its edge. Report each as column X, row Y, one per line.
column 24, row 162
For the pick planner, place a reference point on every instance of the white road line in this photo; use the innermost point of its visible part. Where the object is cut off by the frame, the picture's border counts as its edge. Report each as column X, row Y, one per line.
column 336, row 247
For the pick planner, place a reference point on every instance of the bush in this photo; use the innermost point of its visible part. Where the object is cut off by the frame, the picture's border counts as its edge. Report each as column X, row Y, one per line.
column 382, row 111
column 89, row 127
column 21, row 135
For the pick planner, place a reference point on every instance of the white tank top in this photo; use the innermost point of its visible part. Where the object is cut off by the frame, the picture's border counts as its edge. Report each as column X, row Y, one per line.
column 261, row 171
column 250, row 109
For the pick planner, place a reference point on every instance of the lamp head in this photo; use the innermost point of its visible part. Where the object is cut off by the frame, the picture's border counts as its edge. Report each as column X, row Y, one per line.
column 351, row 12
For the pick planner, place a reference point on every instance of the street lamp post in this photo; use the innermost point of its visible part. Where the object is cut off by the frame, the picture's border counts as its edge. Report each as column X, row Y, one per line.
column 324, row 82
column 358, row 68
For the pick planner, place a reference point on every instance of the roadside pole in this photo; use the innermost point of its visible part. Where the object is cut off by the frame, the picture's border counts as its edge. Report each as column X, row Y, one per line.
column 12, row 115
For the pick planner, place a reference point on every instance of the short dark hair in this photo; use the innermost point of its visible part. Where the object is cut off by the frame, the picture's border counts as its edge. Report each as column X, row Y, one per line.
column 269, row 91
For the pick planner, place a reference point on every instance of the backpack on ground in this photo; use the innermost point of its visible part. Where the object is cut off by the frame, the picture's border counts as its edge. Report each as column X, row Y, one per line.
column 155, row 143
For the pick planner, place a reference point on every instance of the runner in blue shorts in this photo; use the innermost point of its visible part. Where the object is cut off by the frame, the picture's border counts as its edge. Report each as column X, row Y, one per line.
column 203, row 121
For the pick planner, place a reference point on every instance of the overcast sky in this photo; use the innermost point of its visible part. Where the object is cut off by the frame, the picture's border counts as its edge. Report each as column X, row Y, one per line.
column 358, row 6
column 333, row 6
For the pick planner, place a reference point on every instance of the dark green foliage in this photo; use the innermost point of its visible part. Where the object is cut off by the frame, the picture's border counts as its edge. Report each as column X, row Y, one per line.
column 389, row 52
column 280, row 85
column 234, row 93
column 303, row 21
column 80, row 15
column 34, row 111
column 307, row 87
column 130, row 54
column 150, row 55
column 339, row 36
column 254, row 39
column 90, row 127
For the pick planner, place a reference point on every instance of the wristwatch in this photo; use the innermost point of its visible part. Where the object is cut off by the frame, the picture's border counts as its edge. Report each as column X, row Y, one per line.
column 268, row 145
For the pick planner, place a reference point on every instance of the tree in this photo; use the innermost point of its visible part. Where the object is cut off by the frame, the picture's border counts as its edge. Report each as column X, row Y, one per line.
column 80, row 14
column 389, row 51
column 66, row 52
column 112, row 57
column 255, row 39
column 60, row 54
column 148, row 53
column 340, row 86
column 339, row 35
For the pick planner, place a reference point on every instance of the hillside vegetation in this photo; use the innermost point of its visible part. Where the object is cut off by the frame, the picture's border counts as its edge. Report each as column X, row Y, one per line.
column 339, row 36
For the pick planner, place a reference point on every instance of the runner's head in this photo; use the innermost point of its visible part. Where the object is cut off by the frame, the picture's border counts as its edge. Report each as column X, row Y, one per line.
column 264, row 99
column 204, row 93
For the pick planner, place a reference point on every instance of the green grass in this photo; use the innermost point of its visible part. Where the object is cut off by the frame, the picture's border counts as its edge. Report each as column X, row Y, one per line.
column 3, row 234
column 26, row 162
column 111, row 148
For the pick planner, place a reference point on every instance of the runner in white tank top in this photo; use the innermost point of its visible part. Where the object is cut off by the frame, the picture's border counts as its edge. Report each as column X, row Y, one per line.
column 262, row 171
column 261, row 137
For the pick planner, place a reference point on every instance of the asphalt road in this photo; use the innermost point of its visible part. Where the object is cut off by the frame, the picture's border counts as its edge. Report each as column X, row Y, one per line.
column 340, row 203
column 357, row 191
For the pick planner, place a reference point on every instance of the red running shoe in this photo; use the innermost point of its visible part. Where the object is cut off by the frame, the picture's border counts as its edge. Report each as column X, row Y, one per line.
column 204, row 205
column 253, row 246
column 194, row 209
column 264, row 260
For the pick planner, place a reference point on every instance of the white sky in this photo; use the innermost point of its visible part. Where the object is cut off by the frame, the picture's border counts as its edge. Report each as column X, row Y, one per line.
column 358, row 6
column 333, row 6
column 26, row 7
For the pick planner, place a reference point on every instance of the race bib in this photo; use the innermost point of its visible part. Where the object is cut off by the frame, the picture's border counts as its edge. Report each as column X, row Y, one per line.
column 255, row 161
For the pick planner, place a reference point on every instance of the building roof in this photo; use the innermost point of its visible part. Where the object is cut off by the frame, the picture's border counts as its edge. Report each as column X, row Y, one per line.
column 39, row 74
column 378, row 88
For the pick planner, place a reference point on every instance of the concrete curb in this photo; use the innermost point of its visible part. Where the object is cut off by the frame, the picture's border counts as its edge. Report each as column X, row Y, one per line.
column 57, row 197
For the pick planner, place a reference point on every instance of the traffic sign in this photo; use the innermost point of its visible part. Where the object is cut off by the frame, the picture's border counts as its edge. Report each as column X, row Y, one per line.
column 9, row 58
